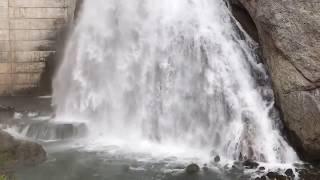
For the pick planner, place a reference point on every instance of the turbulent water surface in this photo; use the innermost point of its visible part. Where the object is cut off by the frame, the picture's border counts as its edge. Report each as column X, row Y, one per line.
column 168, row 78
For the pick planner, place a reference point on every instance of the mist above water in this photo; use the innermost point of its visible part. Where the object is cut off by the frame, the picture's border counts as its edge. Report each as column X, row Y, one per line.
column 173, row 76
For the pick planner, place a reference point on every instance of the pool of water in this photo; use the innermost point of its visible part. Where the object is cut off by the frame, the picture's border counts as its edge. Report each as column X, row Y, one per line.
column 71, row 160
column 80, row 165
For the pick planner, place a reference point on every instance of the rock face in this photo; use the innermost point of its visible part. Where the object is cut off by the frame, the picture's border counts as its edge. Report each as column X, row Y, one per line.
column 15, row 153
column 289, row 32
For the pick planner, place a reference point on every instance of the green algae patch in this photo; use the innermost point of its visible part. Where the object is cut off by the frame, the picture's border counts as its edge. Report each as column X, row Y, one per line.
column 3, row 177
column 7, row 162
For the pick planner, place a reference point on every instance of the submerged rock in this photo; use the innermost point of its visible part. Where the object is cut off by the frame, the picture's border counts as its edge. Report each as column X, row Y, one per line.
column 250, row 164
column 276, row 176
column 272, row 175
column 217, row 159
column 126, row 168
column 289, row 173
column 192, row 169
column 236, row 169
column 261, row 178
column 46, row 130
column 205, row 168
column 6, row 113
column 15, row 153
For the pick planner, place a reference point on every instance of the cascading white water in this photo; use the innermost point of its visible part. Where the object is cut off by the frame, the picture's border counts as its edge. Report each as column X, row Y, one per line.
column 168, row 72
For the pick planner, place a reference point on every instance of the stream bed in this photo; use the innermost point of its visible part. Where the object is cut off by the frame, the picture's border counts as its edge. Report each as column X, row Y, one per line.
column 69, row 160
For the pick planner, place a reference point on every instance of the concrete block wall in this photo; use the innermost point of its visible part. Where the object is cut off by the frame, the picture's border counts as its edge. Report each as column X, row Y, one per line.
column 28, row 32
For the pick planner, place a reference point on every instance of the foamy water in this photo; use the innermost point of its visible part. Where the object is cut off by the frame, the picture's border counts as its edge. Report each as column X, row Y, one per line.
column 168, row 78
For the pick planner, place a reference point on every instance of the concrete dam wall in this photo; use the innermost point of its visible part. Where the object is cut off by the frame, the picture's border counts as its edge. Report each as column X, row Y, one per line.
column 29, row 30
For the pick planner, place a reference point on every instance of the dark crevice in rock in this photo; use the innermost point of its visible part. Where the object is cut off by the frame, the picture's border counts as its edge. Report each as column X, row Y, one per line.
column 244, row 18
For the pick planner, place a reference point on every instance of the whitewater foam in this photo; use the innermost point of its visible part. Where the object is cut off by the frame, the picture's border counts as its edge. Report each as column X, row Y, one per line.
column 168, row 76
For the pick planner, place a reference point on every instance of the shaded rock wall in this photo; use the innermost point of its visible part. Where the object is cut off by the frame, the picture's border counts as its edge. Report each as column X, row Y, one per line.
column 28, row 33
column 289, row 32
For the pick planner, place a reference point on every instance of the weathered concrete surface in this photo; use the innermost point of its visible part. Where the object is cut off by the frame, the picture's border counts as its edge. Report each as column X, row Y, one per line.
column 28, row 33
column 289, row 33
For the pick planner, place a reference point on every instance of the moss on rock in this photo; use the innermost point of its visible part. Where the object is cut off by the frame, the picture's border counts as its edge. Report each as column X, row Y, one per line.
column 15, row 153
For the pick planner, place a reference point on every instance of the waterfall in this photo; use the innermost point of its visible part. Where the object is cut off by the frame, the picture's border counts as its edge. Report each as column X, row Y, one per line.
column 179, row 72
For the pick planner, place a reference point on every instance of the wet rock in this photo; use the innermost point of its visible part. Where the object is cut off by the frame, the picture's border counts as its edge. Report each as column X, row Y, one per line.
column 263, row 178
column 247, row 117
column 6, row 109
column 6, row 113
column 237, row 164
column 192, row 169
column 276, row 176
column 289, row 173
column 217, row 159
column 240, row 157
column 15, row 153
column 29, row 153
column 282, row 177
column 262, row 168
column 46, row 130
column 236, row 169
column 250, row 164
column 180, row 167
column 205, row 168
column 272, row 175
column 291, row 53
column 126, row 168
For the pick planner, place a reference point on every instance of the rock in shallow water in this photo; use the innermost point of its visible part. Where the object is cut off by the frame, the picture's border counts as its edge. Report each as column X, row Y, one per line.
column 205, row 168
column 261, row 178
column 47, row 130
column 250, row 164
column 15, row 153
column 277, row 176
column 217, row 159
column 126, row 168
column 289, row 173
column 272, row 174
column 6, row 113
column 192, row 169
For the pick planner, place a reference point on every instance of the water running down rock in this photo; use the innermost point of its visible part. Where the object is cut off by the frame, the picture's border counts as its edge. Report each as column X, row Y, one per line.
column 172, row 73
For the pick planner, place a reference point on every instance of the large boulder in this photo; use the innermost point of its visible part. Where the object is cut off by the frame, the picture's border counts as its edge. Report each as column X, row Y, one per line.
column 289, row 32
column 15, row 153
